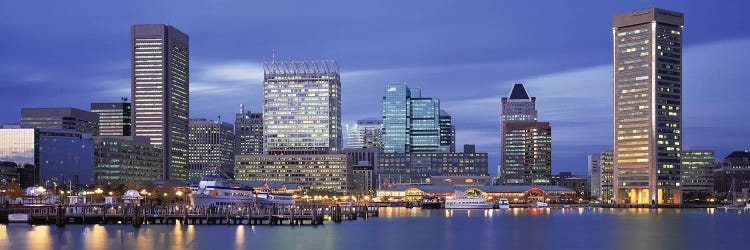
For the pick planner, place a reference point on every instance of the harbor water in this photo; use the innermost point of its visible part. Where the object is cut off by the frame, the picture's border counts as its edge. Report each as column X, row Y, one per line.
column 415, row 228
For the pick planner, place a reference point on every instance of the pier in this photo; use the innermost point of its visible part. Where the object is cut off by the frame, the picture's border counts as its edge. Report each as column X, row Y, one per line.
column 139, row 215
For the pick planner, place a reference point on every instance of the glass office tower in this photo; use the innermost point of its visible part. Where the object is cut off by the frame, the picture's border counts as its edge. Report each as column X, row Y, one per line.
column 411, row 123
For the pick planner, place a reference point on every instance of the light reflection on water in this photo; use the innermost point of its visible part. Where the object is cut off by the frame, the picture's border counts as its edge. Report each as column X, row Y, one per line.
column 637, row 228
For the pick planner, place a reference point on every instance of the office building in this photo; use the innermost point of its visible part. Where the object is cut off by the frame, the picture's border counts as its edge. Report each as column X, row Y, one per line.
column 607, row 177
column 248, row 132
column 302, row 108
column 301, row 128
column 647, row 88
column 328, row 172
column 447, row 131
column 114, row 118
column 364, row 167
column 160, row 85
column 411, row 122
column 365, row 133
column 211, row 148
column 460, row 169
column 734, row 170
column 525, row 143
column 58, row 156
column 121, row 159
column 697, row 178
column 60, row 118
column 595, row 175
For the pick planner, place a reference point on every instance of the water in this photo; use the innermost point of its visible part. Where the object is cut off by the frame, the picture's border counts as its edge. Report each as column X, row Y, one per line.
column 402, row 228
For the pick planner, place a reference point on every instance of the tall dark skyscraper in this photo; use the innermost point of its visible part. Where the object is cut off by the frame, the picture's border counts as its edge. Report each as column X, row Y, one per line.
column 160, row 92
column 248, row 131
column 525, row 143
column 447, row 131
column 647, row 88
column 114, row 118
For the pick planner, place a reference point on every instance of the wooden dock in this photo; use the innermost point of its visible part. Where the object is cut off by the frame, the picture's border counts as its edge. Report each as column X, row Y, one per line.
column 138, row 215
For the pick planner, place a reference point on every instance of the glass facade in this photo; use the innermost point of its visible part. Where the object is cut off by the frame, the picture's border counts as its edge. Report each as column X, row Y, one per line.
column 302, row 109
column 418, row 168
column 411, row 123
column 365, row 133
column 60, row 156
column 647, row 106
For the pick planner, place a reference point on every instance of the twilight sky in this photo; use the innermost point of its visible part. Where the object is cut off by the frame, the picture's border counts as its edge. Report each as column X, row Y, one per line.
column 467, row 53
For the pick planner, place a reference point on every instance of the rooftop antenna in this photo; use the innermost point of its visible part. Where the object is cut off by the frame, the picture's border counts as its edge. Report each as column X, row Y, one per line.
column 242, row 108
column 219, row 120
column 273, row 55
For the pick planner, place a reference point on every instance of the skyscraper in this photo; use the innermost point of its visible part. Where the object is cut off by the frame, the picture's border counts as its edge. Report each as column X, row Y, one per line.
column 302, row 110
column 447, row 131
column 525, row 143
column 160, row 85
column 647, row 88
column 411, row 123
column 365, row 133
column 248, row 132
column 60, row 118
column 114, row 118
column 301, row 128
column 211, row 148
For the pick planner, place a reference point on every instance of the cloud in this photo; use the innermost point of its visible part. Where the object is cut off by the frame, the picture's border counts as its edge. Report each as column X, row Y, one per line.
column 225, row 79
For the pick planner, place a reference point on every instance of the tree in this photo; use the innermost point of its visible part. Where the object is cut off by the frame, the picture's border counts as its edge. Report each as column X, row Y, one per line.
column 13, row 190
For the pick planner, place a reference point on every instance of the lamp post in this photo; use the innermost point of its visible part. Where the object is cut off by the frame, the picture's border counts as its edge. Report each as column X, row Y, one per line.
column 98, row 191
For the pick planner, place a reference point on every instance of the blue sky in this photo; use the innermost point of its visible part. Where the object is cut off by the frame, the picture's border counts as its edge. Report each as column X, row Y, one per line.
column 467, row 53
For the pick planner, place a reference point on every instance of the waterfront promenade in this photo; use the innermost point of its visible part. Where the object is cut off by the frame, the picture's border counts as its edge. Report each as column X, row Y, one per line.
column 137, row 215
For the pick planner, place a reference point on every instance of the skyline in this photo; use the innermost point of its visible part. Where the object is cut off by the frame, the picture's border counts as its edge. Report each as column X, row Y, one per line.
column 223, row 78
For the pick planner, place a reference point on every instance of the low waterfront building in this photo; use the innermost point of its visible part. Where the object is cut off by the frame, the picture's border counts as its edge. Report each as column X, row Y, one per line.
column 126, row 159
column 514, row 193
column 735, row 168
column 329, row 172
column 696, row 174
column 419, row 168
column 58, row 156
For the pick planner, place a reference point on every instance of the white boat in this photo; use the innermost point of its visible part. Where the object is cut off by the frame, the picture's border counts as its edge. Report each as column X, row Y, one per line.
column 18, row 218
column 503, row 203
column 267, row 198
column 215, row 191
column 462, row 201
column 539, row 204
